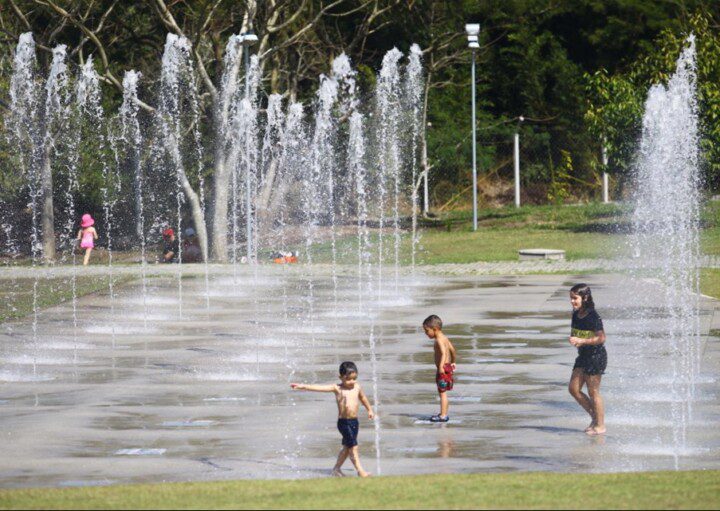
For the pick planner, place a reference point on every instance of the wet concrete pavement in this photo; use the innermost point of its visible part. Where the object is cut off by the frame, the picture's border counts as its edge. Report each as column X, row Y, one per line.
column 178, row 386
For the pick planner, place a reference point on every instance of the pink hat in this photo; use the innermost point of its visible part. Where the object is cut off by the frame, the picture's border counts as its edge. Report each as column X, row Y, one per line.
column 87, row 220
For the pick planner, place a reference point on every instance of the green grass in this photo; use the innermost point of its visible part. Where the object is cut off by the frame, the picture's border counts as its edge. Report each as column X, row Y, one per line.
column 655, row 490
column 588, row 231
column 710, row 282
column 17, row 294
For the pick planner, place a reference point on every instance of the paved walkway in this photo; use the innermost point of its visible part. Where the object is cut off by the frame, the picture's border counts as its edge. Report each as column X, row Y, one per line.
column 478, row 268
column 546, row 266
column 180, row 384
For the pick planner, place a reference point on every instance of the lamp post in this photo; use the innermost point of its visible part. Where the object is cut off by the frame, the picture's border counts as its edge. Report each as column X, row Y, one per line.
column 516, row 158
column 248, row 39
column 473, row 29
column 606, row 194
column 426, row 192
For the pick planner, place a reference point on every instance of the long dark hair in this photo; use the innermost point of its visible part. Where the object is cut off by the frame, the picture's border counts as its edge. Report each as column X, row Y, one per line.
column 583, row 291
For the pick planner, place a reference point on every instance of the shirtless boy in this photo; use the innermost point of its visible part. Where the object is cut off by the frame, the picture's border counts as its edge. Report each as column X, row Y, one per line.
column 444, row 361
column 348, row 395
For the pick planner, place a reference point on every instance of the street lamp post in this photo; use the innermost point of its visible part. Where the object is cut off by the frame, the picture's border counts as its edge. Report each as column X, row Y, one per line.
column 426, row 192
column 516, row 158
column 248, row 39
column 473, row 29
column 606, row 194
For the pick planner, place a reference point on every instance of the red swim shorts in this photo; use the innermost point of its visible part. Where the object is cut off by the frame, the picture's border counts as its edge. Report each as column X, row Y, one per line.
column 444, row 381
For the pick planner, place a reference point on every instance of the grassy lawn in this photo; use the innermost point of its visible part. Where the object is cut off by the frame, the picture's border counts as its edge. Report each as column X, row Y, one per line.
column 710, row 282
column 17, row 294
column 653, row 490
column 586, row 231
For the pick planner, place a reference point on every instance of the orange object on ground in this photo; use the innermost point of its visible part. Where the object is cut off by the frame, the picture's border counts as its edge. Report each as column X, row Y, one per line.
column 285, row 260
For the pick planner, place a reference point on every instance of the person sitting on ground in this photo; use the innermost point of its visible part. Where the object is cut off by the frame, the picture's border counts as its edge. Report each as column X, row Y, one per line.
column 445, row 363
column 170, row 246
column 348, row 395
column 191, row 252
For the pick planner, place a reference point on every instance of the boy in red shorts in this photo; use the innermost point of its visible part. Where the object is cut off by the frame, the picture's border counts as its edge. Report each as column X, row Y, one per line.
column 445, row 362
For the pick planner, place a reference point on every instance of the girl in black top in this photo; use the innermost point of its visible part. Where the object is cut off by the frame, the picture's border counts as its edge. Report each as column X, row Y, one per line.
column 588, row 335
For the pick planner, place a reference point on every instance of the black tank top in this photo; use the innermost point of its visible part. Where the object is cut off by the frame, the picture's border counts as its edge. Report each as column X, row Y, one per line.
column 585, row 328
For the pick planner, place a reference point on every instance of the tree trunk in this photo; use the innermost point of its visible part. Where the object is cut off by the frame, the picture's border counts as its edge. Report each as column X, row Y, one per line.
column 47, row 213
column 192, row 196
column 267, row 187
column 197, row 214
column 220, row 210
column 221, row 178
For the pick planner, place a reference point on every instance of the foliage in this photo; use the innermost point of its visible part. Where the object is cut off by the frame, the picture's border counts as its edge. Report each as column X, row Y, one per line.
column 613, row 116
column 615, row 102
column 559, row 189
column 576, row 70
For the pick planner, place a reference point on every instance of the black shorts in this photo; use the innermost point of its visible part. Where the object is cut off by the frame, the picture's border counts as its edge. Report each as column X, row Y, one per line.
column 349, row 430
column 592, row 361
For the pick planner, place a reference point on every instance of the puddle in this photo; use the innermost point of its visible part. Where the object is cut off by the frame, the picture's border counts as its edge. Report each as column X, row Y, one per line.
column 508, row 344
column 66, row 345
column 224, row 399
column 140, row 452
column 38, row 360
column 18, row 378
column 394, row 302
column 478, row 378
column 465, row 399
column 187, row 424
column 78, row 483
column 492, row 360
column 227, row 376
column 349, row 313
column 151, row 300
column 426, row 420
column 119, row 330
column 417, row 450
column 663, row 450
column 254, row 358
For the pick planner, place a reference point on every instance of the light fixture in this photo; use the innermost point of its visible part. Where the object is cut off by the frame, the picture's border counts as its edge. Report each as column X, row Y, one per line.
column 472, row 29
column 248, row 38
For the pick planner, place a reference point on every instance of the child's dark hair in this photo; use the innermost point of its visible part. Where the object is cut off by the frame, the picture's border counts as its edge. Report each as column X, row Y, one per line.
column 583, row 291
column 348, row 368
column 433, row 321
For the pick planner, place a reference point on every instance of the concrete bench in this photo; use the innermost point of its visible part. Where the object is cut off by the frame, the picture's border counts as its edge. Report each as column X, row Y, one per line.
column 530, row 254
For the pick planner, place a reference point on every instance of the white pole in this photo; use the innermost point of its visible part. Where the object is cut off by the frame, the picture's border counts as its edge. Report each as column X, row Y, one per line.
column 606, row 193
column 426, row 193
column 517, row 169
column 474, row 149
column 248, row 200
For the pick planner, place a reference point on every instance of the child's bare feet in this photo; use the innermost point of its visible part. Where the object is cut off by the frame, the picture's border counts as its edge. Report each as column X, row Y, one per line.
column 591, row 426
column 597, row 430
column 363, row 474
column 337, row 473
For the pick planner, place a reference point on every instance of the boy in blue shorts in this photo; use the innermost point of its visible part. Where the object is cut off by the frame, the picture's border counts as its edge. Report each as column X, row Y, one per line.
column 348, row 396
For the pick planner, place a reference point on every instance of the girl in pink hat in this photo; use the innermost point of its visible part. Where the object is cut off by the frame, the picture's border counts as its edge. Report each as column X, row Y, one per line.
column 87, row 236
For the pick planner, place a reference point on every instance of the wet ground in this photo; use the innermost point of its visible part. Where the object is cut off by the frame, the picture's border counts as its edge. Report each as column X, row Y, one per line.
column 179, row 384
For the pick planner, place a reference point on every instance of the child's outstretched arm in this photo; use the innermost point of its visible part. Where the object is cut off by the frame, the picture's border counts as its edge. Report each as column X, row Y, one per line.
column 366, row 403
column 314, row 388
